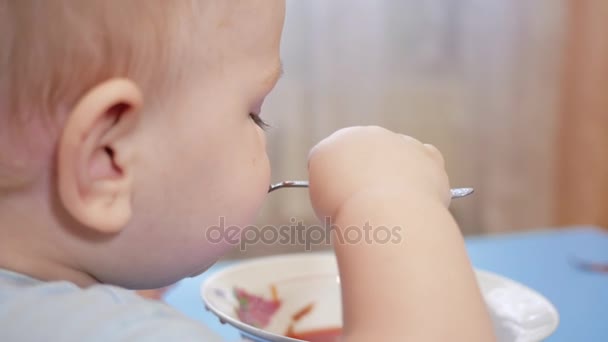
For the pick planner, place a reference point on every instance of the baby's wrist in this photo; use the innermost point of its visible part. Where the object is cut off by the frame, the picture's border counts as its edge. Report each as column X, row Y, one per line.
column 375, row 199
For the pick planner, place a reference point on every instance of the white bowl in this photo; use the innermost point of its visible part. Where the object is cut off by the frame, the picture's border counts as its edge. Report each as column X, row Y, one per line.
column 519, row 313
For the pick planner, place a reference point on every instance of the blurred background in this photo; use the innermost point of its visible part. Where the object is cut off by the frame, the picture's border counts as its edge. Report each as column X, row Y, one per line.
column 513, row 92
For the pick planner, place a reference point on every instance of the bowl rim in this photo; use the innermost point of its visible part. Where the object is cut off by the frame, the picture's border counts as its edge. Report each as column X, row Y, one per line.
column 552, row 310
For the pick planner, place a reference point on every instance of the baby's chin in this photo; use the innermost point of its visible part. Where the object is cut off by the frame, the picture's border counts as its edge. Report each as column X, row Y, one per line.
column 155, row 283
column 202, row 269
column 213, row 253
column 156, row 275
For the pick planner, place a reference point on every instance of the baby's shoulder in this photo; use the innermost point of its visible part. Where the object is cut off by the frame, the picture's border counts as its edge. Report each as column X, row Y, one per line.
column 32, row 310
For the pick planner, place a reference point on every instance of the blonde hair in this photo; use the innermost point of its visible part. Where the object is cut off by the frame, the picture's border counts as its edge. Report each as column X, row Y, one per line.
column 53, row 51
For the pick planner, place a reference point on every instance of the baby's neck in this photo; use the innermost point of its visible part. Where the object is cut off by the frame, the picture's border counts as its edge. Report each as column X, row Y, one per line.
column 42, row 269
column 26, row 246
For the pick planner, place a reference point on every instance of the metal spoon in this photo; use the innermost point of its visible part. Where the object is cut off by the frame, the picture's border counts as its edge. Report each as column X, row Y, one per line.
column 456, row 193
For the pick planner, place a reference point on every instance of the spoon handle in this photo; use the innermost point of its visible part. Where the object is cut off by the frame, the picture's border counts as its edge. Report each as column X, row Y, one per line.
column 456, row 193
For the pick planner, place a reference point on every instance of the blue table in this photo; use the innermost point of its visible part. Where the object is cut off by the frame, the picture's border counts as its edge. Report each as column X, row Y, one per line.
column 542, row 260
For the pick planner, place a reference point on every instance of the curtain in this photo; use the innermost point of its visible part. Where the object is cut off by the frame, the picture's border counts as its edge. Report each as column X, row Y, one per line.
column 582, row 180
column 479, row 79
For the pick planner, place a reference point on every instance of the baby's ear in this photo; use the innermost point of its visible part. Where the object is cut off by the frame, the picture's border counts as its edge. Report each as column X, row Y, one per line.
column 95, row 156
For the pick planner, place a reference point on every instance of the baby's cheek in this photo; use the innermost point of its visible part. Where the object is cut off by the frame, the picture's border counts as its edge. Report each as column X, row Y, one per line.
column 256, row 189
column 261, row 165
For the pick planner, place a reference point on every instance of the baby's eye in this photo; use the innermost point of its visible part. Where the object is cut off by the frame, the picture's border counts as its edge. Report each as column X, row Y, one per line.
column 258, row 121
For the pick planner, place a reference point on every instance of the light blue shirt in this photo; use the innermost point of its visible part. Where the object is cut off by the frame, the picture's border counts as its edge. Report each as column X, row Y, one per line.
column 33, row 310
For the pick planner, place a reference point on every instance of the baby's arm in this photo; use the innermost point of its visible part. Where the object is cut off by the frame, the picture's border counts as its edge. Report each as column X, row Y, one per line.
column 420, row 285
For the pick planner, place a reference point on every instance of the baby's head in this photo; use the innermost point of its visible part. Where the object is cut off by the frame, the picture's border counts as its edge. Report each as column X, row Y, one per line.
column 126, row 131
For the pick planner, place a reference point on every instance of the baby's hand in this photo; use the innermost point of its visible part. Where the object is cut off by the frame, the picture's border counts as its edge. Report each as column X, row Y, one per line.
column 395, row 290
column 373, row 161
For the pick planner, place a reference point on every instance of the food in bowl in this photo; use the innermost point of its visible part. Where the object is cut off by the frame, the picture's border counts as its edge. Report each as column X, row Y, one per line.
column 320, row 335
column 258, row 311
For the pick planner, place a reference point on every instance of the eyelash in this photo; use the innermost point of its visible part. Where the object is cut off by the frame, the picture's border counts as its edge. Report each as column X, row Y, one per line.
column 258, row 121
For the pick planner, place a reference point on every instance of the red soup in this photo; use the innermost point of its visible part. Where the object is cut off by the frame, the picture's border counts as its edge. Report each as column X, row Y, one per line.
column 320, row 335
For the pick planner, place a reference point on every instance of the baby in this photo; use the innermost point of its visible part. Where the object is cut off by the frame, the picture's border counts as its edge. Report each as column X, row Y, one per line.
column 127, row 127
